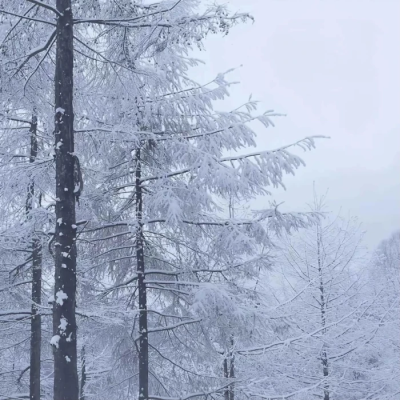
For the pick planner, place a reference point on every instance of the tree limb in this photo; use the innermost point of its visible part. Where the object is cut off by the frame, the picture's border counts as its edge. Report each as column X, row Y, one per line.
column 46, row 6
column 25, row 17
column 37, row 51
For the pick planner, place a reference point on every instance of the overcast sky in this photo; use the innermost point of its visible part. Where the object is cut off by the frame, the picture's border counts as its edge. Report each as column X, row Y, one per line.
column 333, row 67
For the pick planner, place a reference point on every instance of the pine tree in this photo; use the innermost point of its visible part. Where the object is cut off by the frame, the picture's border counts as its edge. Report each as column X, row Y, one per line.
column 151, row 150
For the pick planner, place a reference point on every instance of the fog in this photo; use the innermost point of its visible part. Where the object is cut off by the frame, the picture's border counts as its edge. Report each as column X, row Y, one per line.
column 332, row 68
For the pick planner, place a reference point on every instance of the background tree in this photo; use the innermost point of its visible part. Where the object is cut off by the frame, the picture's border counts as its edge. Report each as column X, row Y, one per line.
column 381, row 361
column 321, row 325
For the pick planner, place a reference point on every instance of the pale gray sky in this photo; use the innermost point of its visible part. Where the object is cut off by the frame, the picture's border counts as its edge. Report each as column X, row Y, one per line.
column 333, row 67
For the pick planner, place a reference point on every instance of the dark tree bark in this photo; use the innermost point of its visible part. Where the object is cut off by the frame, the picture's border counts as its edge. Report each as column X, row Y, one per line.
column 226, row 376
column 143, row 333
column 83, row 375
column 229, row 371
column 232, row 369
column 36, row 323
column 66, row 382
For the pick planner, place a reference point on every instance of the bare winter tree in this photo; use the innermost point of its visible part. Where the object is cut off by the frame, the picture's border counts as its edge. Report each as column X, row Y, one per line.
column 325, row 316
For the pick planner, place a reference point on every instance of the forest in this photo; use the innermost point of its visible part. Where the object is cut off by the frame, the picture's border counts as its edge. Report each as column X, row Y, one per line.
column 132, row 265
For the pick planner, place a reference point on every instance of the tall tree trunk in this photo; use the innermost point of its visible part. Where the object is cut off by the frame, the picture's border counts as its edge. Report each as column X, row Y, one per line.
column 66, row 382
column 226, row 376
column 83, row 375
column 324, row 356
column 143, row 333
column 232, row 370
column 229, row 371
column 325, row 369
column 36, row 323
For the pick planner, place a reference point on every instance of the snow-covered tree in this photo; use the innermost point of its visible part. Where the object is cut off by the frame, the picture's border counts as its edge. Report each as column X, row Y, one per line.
column 382, row 361
column 152, row 152
column 320, row 327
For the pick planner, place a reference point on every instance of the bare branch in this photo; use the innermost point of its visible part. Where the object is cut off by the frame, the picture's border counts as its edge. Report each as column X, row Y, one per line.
column 170, row 327
column 40, row 62
column 22, row 373
column 46, row 6
column 15, row 312
column 4, row 288
column 25, row 17
column 16, row 24
column 37, row 51
column 15, row 119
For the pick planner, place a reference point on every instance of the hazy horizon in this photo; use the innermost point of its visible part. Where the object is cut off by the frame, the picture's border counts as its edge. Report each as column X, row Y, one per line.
column 332, row 68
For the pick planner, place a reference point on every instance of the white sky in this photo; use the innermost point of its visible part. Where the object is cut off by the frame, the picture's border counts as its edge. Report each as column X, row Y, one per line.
column 334, row 68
